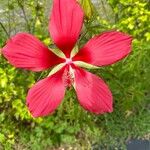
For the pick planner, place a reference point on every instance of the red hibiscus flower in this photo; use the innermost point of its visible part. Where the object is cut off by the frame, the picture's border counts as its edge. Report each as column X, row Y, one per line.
column 26, row 51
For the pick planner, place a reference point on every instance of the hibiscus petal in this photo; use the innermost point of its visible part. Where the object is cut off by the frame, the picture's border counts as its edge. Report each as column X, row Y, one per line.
column 105, row 49
column 65, row 24
column 26, row 51
column 46, row 95
column 92, row 92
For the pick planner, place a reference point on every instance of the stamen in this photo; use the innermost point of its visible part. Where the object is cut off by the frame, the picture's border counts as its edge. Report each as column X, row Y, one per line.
column 68, row 78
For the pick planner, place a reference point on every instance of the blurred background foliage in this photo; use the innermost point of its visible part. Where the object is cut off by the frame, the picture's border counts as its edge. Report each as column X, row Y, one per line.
column 70, row 125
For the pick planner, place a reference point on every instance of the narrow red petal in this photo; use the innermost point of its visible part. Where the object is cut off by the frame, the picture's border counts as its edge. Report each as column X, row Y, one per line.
column 46, row 95
column 26, row 51
column 92, row 92
column 105, row 49
column 65, row 24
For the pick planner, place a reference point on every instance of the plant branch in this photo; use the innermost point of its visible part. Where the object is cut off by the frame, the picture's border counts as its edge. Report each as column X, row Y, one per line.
column 5, row 30
column 24, row 13
column 36, row 16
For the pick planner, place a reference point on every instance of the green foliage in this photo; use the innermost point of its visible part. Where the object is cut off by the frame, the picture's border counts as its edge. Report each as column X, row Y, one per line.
column 70, row 124
column 132, row 17
column 87, row 7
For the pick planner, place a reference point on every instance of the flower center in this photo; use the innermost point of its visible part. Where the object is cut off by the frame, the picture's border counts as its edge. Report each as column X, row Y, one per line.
column 68, row 61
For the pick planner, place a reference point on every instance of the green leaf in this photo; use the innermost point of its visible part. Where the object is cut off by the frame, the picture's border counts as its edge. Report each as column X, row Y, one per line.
column 2, row 138
column 87, row 7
